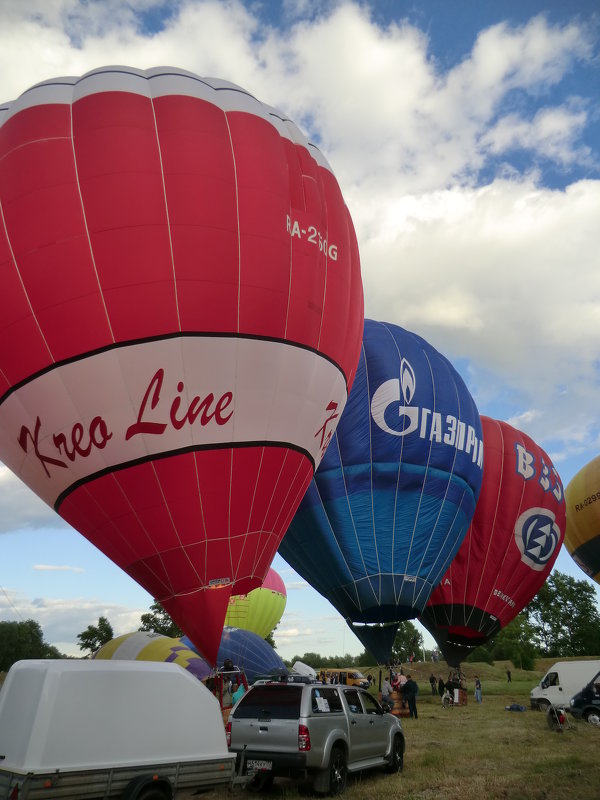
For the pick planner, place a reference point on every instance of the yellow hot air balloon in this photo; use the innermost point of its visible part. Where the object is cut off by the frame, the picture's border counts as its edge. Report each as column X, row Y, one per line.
column 582, row 535
column 260, row 610
column 147, row 646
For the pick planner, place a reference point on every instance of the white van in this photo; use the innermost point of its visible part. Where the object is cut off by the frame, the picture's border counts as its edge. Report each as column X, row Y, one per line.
column 561, row 682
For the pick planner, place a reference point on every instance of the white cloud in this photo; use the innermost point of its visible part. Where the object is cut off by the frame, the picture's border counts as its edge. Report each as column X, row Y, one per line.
column 21, row 509
column 56, row 568
column 62, row 620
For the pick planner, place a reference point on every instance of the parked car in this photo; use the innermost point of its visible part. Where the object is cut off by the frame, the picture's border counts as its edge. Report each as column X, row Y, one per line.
column 314, row 731
column 586, row 703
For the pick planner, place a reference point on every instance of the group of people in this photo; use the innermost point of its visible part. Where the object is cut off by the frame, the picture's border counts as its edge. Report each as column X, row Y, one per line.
column 403, row 685
column 456, row 681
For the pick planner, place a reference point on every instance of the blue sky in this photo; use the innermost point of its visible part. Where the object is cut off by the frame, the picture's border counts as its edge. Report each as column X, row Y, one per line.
column 466, row 139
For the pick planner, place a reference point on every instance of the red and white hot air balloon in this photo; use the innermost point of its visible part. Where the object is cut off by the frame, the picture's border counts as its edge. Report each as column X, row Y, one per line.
column 180, row 321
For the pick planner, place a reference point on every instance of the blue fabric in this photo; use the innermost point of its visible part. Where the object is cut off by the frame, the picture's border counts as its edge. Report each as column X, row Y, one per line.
column 248, row 651
column 394, row 494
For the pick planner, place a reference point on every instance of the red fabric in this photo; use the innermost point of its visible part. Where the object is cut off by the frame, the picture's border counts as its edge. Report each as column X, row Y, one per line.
column 488, row 573
column 127, row 218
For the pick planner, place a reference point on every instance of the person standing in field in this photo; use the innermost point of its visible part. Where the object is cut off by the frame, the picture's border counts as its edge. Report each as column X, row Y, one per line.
column 508, row 676
column 410, row 691
column 477, row 689
column 433, row 684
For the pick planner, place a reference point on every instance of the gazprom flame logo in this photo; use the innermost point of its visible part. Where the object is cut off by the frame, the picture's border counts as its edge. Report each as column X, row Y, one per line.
column 537, row 536
column 394, row 391
column 392, row 411
column 408, row 382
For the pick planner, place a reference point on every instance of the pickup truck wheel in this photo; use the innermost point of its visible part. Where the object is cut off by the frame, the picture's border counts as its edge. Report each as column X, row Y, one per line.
column 261, row 782
column 543, row 705
column 592, row 716
column 338, row 771
column 396, row 762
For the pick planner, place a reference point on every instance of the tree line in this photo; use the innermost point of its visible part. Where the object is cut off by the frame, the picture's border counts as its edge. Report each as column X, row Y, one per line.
column 562, row 620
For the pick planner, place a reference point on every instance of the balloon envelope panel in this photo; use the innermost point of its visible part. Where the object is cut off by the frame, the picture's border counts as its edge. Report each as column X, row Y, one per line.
column 260, row 610
column 395, row 492
column 144, row 646
column 248, row 651
column 180, row 321
column 582, row 536
column 510, row 548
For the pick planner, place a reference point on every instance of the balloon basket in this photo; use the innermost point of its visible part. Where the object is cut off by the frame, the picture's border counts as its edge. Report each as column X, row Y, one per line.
column 397, row 710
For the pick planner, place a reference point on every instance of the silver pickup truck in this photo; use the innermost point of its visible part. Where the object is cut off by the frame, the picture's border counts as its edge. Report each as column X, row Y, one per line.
column 312, row 730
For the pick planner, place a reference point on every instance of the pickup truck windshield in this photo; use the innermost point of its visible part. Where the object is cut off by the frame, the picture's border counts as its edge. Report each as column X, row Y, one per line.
column 270, row 702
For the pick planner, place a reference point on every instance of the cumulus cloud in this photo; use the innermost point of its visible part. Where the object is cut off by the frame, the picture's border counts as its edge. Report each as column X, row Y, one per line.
column 21, row 508
column 61, row 620
column 56, row 568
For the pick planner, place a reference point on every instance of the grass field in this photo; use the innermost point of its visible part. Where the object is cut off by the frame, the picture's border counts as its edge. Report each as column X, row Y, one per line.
column 480, row 752
column 476, row 752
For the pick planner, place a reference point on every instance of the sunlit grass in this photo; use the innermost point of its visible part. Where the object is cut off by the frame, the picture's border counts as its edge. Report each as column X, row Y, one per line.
column 480, row 752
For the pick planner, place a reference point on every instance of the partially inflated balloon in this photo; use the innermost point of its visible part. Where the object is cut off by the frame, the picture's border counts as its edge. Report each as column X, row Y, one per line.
column 395, row 493
column 582, row 536
column 180, row 320
column 145, row 646
column 508, row 552
column 248, row 651
column 260, row 610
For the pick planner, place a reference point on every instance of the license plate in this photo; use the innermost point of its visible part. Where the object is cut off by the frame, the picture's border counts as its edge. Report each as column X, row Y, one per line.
column 258, row 765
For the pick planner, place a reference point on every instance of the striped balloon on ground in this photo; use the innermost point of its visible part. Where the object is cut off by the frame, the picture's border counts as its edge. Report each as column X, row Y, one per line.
column 248, row 651
column 145, row 646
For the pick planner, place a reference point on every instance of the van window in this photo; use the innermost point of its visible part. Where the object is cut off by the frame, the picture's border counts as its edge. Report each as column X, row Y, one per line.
column 551, row 679
column 325, row 700
column 270, row 702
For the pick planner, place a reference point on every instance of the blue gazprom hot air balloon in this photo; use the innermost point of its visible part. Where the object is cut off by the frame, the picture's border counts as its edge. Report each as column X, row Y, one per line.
column 394, row 495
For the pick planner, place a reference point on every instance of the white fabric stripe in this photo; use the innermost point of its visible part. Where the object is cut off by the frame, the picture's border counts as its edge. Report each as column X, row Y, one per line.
column 99, row 407
column 165, row 81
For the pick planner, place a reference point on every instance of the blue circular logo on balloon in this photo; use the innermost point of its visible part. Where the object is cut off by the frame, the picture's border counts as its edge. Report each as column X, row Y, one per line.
column 537, row 536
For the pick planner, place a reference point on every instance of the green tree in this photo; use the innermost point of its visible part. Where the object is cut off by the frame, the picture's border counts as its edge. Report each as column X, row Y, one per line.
column 516, row 643
column 94, row 636
column 270, row 640
column 21, row 640
column 564, row 617
column 408, row 642
column 158, row 621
